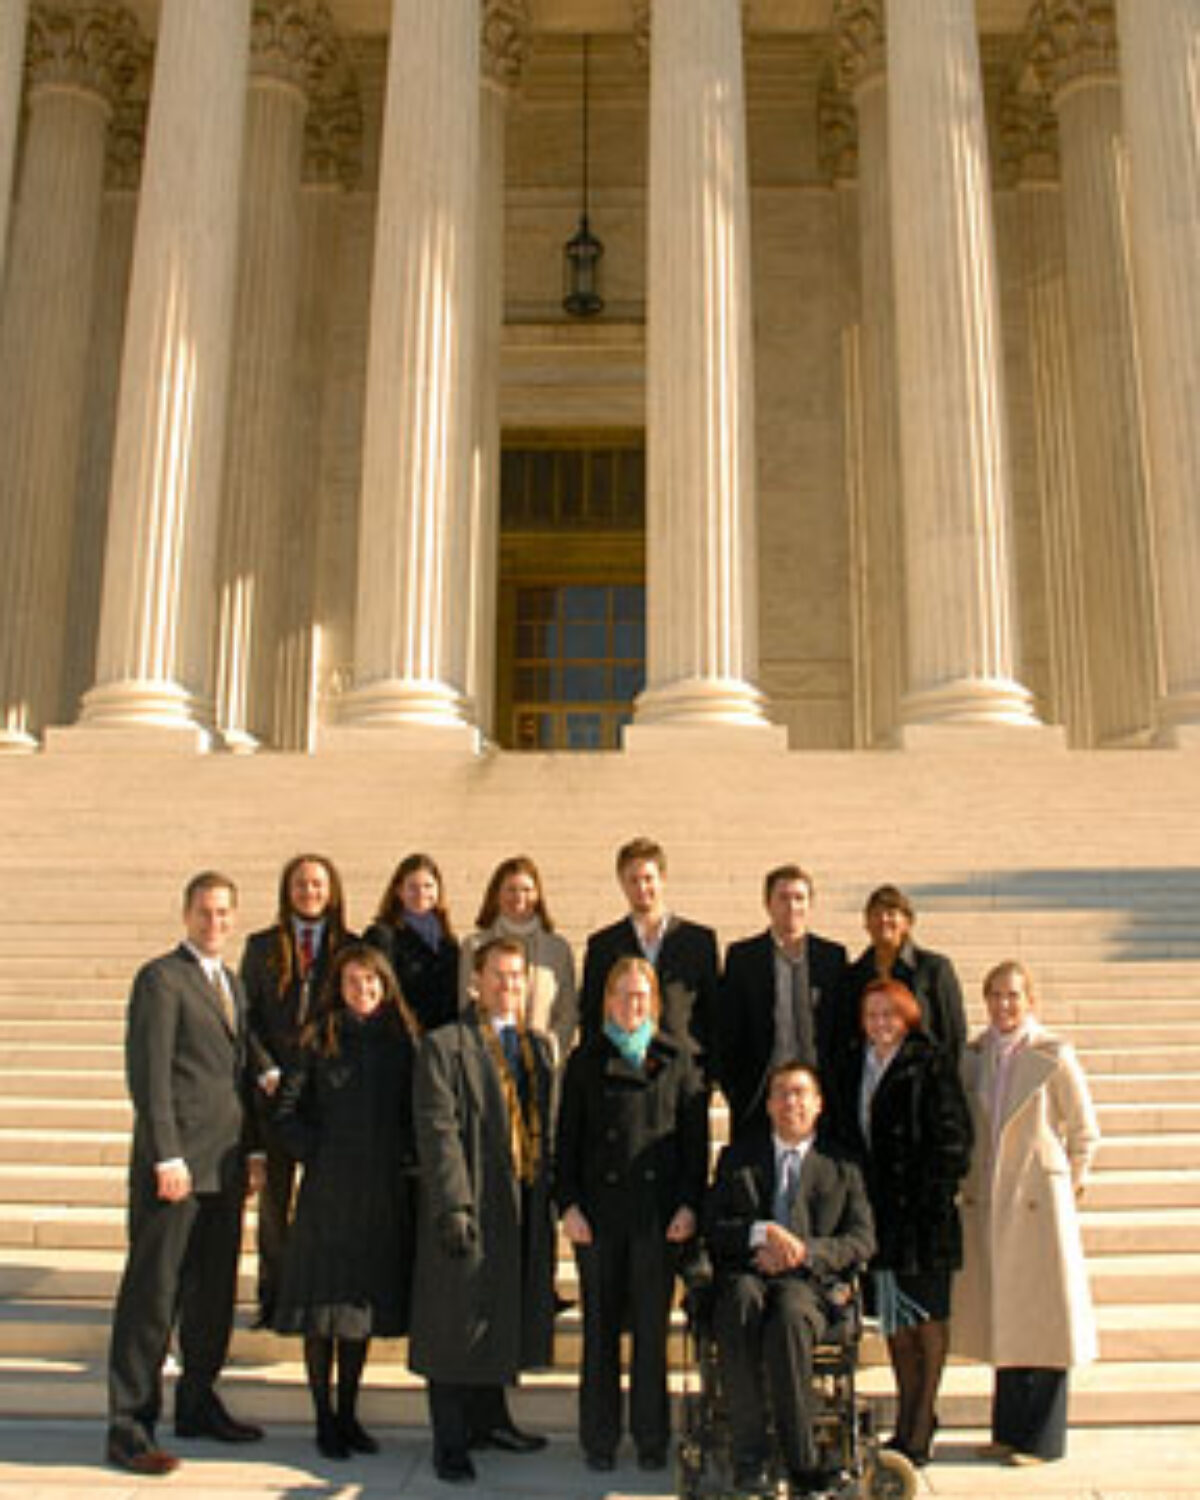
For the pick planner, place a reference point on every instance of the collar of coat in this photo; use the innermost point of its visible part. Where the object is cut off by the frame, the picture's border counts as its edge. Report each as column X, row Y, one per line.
column 1031, row 1067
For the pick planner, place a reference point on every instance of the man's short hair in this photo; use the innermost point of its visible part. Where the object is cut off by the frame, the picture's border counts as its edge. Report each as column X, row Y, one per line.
column 890, row 898
column 786, row 872
column 208, row 880
column 498, row 945
column 639, row 851
column 794, row 1065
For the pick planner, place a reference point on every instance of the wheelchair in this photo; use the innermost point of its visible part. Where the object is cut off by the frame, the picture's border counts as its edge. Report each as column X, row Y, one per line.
column 848, row 1448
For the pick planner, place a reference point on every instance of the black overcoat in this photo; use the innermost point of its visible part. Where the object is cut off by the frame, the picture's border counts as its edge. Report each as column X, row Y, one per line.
column 917, row 1153
column 479, row 1318
column 428, row 977
column 931, row 978
column 349, row 1120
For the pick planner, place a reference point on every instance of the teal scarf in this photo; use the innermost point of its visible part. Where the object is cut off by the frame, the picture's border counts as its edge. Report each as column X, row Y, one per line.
column 632, row 1045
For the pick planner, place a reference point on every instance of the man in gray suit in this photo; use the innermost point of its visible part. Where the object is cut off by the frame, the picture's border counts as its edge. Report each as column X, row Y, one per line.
column 190, row 1082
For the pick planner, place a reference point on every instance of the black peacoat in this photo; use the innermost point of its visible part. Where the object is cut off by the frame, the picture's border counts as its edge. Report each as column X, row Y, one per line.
column 481, row 1316
column 931, row 978
column 348, row 1118
column 917, row 1153
column 428, row 978
column 632, row 1143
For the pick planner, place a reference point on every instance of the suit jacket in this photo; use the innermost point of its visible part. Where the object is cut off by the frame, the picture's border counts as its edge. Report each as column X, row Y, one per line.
column 687, row 969
column 480, row 1317
column 931, row 978
column 632, row 1143
column 830, row 1212
column 188, row 1074
column 274, row 1018
column 745, row 1031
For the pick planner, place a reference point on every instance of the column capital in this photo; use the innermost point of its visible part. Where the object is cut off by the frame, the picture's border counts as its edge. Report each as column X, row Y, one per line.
column 1067, row 41
column 97, row 49
column 1028, row 139
column 333, row 129
column 860, row 37
column 126, row 144
column 837, row 131
column 292, row 42
column 505, row 37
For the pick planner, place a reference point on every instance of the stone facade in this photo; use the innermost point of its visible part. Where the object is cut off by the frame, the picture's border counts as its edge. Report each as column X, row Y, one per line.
column 901, row 306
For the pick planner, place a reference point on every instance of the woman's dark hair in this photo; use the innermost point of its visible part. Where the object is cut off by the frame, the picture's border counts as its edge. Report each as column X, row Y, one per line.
column 519, row 864
column 391, row 904
column 322, row 1034
column 283, row 958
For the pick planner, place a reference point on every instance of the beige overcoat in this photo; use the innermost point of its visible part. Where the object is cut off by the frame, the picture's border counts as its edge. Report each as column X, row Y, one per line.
column 1022, row 1297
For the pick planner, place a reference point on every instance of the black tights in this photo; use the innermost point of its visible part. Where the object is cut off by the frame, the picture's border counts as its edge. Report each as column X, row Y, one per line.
column 318, row 1361
column 918, row 1357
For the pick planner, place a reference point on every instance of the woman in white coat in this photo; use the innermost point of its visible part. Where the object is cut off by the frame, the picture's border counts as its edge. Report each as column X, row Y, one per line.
column 1022, row 1302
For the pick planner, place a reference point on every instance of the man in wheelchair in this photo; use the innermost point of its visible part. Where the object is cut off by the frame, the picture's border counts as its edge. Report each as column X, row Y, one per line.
column 786, row 1221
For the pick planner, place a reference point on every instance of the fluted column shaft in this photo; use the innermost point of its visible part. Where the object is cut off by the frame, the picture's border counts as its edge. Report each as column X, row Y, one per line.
column 250, row 581
column 152, row 667
column 1160, row 72
column 411, row 627
column 43, row 349
column 961, row 637
column 702, row 635
column 12, row 55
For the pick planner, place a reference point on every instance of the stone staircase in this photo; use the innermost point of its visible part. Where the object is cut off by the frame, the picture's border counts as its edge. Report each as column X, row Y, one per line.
column 1077, row 864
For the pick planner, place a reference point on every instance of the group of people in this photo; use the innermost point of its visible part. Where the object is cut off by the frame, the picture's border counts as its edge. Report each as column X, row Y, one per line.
column 420, row 1115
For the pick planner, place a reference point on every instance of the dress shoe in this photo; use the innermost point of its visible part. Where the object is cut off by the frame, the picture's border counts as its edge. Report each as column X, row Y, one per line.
column 1018, row 1460
column 652, row 1459
column 508, row 1440
column 213, row 1421
column 996, row 1452
column 454, row 1468
column 330, row 1439
column 600, row 1463
column 140, row 1458
column 810, row 1482
column 752, row 1479
column 355, row 1436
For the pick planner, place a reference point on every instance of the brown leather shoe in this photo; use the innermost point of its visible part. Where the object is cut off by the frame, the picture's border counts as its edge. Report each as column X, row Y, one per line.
column 140, row 1459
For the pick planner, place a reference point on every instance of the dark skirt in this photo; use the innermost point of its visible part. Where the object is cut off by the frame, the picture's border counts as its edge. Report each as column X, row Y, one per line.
column 1029, row 1410
column 930, row 1290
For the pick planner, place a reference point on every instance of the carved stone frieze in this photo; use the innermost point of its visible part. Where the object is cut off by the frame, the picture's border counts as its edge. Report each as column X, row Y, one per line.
column 641, row 27
column 861, row 40
column 1028, row 138
column 505, row 36
column 837, row 131
column 93, row 47
column 1071, row 39
column 333, row 134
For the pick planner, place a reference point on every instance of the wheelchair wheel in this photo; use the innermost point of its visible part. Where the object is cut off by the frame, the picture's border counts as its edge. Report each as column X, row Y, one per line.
column 889, row 1476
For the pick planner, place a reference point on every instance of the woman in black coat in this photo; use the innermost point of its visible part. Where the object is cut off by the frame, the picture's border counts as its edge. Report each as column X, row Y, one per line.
column 412, row 930
column 902, row 1111
column 630, row 1169
column 346, row 1113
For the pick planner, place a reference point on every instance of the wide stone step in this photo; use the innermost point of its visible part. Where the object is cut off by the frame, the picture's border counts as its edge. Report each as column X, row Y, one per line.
column 1126, row 1280
column 1178, row 1151
column 62, row 1031
column 23, row 1058
column 1135, row 1057
column 1134, row 1118
column 1134, row 1231
column 64, row 1148
column 1145, row 1088
column 1127, row 1187
column 52, row 1083
column 50, row 1114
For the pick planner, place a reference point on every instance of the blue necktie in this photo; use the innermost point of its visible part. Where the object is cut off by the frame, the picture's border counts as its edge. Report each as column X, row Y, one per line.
column 785, row 1192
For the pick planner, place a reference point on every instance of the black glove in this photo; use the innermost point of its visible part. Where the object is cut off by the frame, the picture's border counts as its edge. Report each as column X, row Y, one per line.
column 457, row 1233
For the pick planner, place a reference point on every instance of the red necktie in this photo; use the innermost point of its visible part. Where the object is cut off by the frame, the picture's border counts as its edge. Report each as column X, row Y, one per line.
column 307, row 951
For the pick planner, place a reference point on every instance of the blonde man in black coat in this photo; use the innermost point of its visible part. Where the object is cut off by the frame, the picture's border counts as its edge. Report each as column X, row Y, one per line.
column 483, row 1292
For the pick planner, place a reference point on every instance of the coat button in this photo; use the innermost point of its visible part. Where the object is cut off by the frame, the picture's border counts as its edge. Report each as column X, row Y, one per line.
column 610, row 1178
column 611, row 1133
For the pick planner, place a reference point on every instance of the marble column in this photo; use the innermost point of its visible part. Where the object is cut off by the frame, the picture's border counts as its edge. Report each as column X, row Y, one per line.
column 156, row 625
column 12, row 56
column 77, row 61
column 701, row 571
column 1160, row 75
column 291, row 45
column 505, row 50
column 962, row 668
column 411, row 625
column 1030, row 139
column 859, row 30
column 1073, row 46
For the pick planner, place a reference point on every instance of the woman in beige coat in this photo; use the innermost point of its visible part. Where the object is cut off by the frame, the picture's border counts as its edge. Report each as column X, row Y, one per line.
column 1022, row 1302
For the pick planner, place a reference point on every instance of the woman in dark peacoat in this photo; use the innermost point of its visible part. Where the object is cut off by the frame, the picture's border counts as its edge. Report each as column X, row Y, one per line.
column 630, row 1168
column 412, row 930
column 901, row 1110
column 346, row 1113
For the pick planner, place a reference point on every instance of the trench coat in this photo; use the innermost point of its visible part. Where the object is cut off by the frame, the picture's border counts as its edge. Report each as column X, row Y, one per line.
column 479, row 1318
column 1022, row 1298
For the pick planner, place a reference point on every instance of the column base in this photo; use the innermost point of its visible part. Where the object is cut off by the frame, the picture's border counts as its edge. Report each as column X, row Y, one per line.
column 400, row 714
column 133, row 715
column 1003, row 738
column 970, row 703
column 1179, row 722
column 18, row 742
column 704, row 703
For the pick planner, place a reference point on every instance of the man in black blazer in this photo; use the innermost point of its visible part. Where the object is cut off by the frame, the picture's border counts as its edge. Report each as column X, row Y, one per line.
column 785, row 1220
column 283, row 972
column 189, row 1080
column 779, row 998
column 684, row 954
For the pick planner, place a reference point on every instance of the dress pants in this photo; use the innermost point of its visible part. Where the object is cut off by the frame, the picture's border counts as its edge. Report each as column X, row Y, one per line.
column 182, row 1264
column 1029, row 1410
column 626, row 1279
column 274, row 1219
column 770, row 1322
column 459, row 1412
